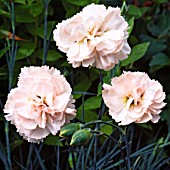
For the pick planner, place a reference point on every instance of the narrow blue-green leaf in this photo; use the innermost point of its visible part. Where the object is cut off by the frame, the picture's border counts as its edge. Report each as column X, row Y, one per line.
column 39, row 159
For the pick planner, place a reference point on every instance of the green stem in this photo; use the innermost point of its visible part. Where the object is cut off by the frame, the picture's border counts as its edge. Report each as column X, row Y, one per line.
column 45, row 31
column 127, row 152
column 7, row 144
column 11, row 62
column 95, row 151
column 114, row 140
column 35, row 38
column 29, row 155
column 73, row 157
column 83, row 108
column 104, row 134
column 82, row 159
column 102, row 122
column 58, row 158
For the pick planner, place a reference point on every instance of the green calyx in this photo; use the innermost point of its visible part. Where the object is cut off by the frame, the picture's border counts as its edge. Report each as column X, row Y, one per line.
column 69, row 129
column 81, row 137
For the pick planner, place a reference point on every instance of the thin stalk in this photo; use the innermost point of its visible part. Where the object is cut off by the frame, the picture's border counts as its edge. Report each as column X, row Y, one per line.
column 13, row 33
column 95, row 132
column 21, row 157
column 141, row 152
column 39, row 158
column 11, row 62
column 7, row 144
column 73, row 157
column 104, row 144
column 35, row 39
column 20, row 164
column 45, row 49
column 79, row 157
column 101, row 77
column 58, row 158
column 113, row 71
column 39, row 150
column 102, row 160
column 127, row 153
column 89, row 149
column 118, row 144
column 131, row 136
column 95, row 151
column 84, row 93
column 97, row 125
column 3, row 156
column 29, row 155
column 102, row 102
column 113, row 155
column 106, row 160
column 104, row 134
column 83, row 108
column 82, row 159
column 51, row 34
column 107, row 123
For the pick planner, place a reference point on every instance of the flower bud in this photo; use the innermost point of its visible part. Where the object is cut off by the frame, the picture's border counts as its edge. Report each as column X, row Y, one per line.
column 81, row 137
column 69, row 129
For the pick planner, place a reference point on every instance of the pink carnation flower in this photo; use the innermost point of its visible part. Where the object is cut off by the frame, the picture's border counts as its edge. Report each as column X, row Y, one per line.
column 94, row 37
column 134, row 97
column 41, row 103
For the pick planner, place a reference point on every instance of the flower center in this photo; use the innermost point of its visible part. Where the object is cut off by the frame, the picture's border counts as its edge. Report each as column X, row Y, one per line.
column 134, row 98
column 40, row 100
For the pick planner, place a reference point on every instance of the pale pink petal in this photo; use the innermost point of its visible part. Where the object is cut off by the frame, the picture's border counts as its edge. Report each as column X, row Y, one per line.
column 97, row 37
column 131, row 98
column 27, row 123
column 40, row 104
column 115, row 101
column 155, row 118
column 145, row 118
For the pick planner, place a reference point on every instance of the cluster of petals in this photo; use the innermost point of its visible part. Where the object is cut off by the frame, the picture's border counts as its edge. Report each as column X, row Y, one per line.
column 94, row 37
column 134, row 97
column 40, row 104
